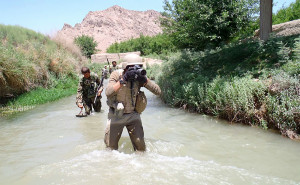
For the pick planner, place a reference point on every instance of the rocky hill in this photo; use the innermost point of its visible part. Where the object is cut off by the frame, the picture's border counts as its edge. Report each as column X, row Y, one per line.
column 284, row 29
column 112, row 25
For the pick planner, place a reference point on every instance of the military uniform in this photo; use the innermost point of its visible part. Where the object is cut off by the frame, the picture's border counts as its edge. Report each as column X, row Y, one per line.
column 86, row 93
column 131, row 119
column 105, row 73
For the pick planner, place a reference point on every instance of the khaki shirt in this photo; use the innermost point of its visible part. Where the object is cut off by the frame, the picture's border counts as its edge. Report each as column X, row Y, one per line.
column 124, row 94
column 112, row 69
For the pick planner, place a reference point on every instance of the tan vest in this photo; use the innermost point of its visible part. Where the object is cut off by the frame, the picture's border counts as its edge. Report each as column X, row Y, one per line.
column 124, row 95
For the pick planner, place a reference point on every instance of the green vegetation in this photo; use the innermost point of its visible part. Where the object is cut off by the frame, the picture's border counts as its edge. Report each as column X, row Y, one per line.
column 206, row 24
column 96, row 68
column 221, row 70
column 87, row 45
column 30, row 61
column 289, row 13
column 158, row 45
column 153, row 71
column 252, row 82
column 62, row 88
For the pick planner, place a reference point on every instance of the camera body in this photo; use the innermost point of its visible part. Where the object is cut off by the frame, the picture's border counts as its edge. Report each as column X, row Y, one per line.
column 135, row 72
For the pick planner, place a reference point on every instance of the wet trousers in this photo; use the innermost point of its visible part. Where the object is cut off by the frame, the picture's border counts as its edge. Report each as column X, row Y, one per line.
column 88, row 104
column 114, row 128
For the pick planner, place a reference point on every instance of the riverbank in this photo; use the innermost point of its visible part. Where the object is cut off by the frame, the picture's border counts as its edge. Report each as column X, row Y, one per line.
column 35, row 69
column 250, row 82
column 64, row 87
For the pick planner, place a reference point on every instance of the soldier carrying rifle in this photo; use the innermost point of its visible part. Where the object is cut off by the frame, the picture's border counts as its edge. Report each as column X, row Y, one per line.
column 89, row 92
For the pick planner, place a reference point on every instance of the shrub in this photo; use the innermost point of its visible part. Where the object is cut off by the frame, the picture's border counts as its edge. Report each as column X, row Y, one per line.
column 252, row 82
column 287, row 14
column 87, row 45
column 157, row 45
column 29, row 60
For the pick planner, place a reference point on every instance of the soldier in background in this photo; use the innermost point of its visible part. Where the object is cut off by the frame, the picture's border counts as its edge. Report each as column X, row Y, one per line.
column 87, row 91
column 105, row 72
column 114, row 67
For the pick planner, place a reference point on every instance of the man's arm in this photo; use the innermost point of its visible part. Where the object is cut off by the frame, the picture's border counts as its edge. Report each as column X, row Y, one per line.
column 153, row 87
column 113, row 84
column 79, row 95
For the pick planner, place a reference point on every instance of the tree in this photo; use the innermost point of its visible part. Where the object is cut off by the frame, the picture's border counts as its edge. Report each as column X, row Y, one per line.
column 265, row 19
column 200, row 23
column 86, row 44
column 289, row 13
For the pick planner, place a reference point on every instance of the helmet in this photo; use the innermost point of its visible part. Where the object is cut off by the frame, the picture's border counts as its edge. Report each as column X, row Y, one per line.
column 132, row 59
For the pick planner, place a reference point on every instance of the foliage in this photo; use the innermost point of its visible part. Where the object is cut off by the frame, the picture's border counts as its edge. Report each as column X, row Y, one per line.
column 153, row 71
column 87, row 45
column 237, row 81
column 27, row 60
column 159, row 44
column 200, row 24
column 289, row 13
column 96, row 68
column 31, row 61
column 61, row 88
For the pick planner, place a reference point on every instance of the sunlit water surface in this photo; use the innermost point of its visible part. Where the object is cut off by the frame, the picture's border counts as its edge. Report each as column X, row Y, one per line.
column 49, row 145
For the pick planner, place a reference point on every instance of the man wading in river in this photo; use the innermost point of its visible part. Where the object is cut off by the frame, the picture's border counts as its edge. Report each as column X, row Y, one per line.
column 126, row 102
column 87, row 91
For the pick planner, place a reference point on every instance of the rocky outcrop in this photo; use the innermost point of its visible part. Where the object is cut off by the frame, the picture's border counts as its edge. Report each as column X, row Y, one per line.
column 112, row 25
column 284, row 29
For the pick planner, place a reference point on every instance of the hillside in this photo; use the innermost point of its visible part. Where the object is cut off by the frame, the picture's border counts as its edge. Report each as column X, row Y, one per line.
column 30, row 60
column 112, row 25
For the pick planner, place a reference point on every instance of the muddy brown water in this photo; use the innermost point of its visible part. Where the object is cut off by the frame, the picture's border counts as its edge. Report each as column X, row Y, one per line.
column 49, row 145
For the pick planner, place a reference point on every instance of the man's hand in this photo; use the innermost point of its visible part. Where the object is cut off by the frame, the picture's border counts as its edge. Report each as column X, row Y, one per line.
column 142, row 79
column 80, row 105
column 99, row 92
column 129, row 75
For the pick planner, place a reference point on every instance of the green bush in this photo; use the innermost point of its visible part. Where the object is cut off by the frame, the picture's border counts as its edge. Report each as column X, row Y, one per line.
column 292, row 12
column 204, row 24
column 96, row 68
column 28, row 58
column 157, row 45
column 31, row 62
column 87, row 45
column 252, row 82
column 153, row 71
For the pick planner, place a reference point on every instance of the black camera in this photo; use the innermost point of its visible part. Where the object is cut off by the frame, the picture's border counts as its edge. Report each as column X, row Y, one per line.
column 135, row 72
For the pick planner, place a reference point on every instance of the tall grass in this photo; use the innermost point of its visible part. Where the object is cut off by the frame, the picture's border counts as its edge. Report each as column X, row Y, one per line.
column 31, row 61
column 62, row 88
column 252, row 82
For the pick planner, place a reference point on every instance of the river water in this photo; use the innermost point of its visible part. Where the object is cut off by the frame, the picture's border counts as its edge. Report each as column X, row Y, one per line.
column 49, row 145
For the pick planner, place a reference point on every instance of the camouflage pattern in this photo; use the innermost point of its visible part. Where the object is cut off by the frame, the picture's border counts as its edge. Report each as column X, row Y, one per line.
column 86, row 93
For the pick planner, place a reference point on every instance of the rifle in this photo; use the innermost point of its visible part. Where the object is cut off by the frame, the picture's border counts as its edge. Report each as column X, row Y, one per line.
column 109, row 70
column 107, row 61
column 100, row 85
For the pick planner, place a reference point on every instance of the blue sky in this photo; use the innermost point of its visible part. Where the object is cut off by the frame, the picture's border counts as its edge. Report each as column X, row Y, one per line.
column 48, row 16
